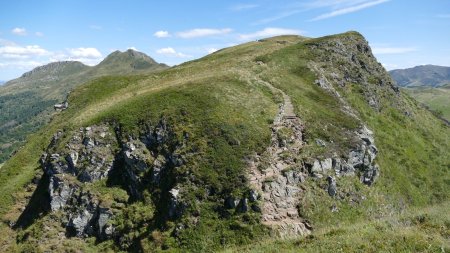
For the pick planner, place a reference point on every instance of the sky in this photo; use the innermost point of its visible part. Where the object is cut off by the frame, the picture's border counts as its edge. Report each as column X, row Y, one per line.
column 402, row 33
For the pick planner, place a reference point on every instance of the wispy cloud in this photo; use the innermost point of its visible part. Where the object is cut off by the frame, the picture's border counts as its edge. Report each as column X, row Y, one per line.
column 348, row 10
column 242, row 7
column 202, row 32
column 19, row 31
column 269, row 32
column 332, row 8
column 281, row 15
column 161, row 34
column 39, row 34
column 393, row 50
column 169, row 51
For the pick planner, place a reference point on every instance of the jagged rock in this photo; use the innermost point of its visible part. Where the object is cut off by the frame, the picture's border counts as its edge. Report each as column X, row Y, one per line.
column 175, row 205
column 158, row 166
column 253, row 196
column 341, row 167
column 316, row 167
column 60, row 192
column 105, row 230
column 326, row 164
column 332, row 188
column 320, row 142
column 293, row 177
column 242, row 206
column 231, row 202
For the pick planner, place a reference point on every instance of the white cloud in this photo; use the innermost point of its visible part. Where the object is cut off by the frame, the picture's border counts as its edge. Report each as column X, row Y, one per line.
column 133, row 48
column 14, row 51
column 350, row 9
column 203, row 32
column 21, row 64
column 85, row 52
column 161, row 34
column 393, row 50
column 19, row 31
column 95, row 27
column 168, row 51
column 241, row 7
column 211, row 50
column 39, row 34
column 269, row 32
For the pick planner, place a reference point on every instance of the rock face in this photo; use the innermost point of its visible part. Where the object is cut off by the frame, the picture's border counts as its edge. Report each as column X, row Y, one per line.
column 346, row 60
column 360, row 160
column 75, row 161
column 86, row 158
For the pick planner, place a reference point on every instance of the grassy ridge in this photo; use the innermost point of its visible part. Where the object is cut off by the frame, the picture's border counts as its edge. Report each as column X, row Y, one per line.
column 227, row 112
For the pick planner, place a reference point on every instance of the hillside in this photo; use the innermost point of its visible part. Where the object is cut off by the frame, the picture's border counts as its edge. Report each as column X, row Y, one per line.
column 422, row 76
column 437, row 99
column 26, row 103
column 287, row 143
column 428, row 84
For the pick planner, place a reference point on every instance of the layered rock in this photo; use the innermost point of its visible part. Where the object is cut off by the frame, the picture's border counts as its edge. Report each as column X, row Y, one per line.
column 75, row 160
column 85, row 158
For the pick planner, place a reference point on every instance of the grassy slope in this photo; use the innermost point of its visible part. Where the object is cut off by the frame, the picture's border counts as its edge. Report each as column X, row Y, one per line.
column 27, row 103
column 437, row 99
column 217, row 112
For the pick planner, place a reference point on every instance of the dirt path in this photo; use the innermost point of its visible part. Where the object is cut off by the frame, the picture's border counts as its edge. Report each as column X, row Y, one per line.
column 276, row 176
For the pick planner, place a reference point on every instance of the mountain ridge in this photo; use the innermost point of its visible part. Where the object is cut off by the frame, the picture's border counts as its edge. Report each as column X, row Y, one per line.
column 190, row 159
column 26, row 103
column 423, row 75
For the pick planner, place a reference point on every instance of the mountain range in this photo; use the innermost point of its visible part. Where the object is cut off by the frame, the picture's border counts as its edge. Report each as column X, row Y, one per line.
column 26, row 103
column 428, row 84
column 420, row 76
column 284, row 144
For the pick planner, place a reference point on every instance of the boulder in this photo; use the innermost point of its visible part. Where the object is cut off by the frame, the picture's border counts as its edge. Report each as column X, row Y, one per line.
column 332, row 188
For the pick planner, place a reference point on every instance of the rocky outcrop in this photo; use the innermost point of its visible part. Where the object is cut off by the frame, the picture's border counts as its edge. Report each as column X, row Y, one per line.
column 360, row 160
column 75, row 160
column 347, row 59
column 86, row 157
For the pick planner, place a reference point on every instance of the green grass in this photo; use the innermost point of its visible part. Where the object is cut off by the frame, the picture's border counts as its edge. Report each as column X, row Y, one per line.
column 437, row 99
column 417, row 230
column 227, row 113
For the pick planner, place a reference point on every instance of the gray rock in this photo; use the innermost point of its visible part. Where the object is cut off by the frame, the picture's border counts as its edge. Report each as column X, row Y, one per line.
column 175, row 205
column 242, row 206
column 316, row 167
column 253, row 196
column 60, row 192
column 332, row 188
column 105, row 230
column 320, row 142
column 231, row 202
column 326, row 164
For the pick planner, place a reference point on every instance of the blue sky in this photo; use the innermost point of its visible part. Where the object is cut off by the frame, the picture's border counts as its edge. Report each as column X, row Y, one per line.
column 402, row 33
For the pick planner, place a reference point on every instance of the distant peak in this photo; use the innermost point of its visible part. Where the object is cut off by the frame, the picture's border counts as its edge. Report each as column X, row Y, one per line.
column 54, row 66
